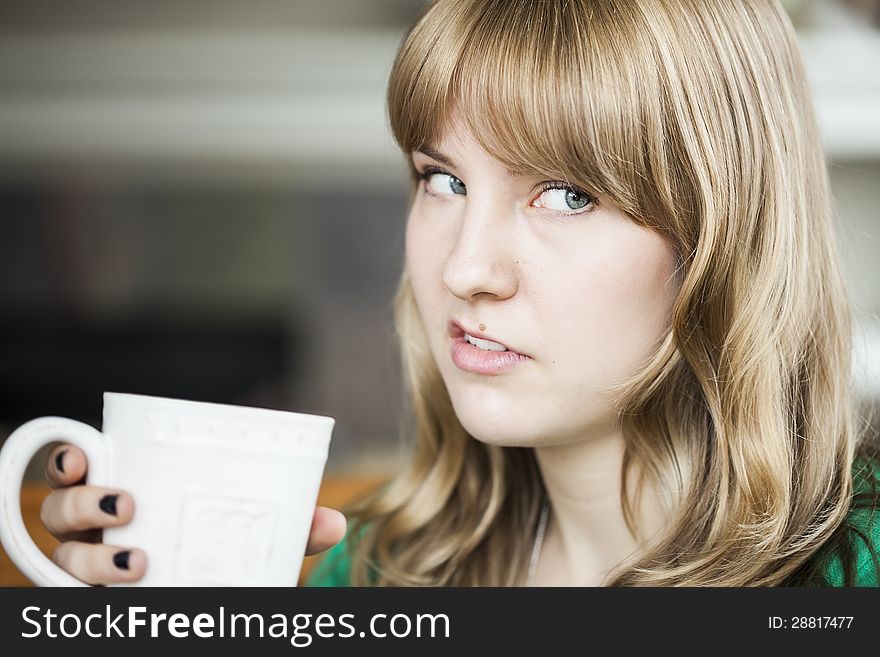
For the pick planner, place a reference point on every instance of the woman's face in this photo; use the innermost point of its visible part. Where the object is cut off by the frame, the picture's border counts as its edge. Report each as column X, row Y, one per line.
column 578, row 293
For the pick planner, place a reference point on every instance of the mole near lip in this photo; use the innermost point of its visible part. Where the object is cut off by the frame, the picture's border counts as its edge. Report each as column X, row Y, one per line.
column 457, row 331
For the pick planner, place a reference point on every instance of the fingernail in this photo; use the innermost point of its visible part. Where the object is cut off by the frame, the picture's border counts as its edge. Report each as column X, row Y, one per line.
column 120, row 560
column 108, row 504
column 59, row 461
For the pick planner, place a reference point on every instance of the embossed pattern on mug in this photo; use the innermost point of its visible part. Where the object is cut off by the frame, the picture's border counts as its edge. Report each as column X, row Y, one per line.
column 225, row 540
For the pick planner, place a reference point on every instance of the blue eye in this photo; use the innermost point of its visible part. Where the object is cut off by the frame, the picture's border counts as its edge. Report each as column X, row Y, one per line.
column 441, row 183
column 563, row 198
column 576, row 200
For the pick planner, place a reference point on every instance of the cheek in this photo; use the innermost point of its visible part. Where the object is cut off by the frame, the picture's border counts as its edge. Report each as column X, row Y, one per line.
column 618, row 302
column 423, row 265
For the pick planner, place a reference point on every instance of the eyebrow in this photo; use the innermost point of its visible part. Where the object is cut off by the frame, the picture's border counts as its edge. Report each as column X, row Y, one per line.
column 433, row 153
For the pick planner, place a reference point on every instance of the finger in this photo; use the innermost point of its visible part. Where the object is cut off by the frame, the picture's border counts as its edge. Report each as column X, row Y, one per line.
column 328, row 528
column 101, row 564
column 65, row 466
column 80, row 508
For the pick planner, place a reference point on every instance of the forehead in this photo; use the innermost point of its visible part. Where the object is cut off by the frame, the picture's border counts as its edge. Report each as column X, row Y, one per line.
column 452, row 138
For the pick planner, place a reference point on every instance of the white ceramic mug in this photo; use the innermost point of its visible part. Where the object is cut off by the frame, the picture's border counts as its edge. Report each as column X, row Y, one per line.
column 224, row 495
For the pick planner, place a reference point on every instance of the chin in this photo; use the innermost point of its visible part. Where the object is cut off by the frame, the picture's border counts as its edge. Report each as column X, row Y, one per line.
column 500, row 436
column 495, row 424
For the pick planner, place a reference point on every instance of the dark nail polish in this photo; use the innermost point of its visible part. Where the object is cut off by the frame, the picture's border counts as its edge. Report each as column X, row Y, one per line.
column 120, row 560
column 108, row 504
column 59, row 461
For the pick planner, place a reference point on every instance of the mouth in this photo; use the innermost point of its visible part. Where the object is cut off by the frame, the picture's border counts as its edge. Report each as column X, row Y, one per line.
column 478, row 353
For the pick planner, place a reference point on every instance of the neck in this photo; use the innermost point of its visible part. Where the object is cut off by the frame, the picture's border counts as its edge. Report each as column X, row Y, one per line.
column 587, row 535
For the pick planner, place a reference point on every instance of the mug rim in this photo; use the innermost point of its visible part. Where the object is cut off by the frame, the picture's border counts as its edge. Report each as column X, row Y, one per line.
column 154, row 400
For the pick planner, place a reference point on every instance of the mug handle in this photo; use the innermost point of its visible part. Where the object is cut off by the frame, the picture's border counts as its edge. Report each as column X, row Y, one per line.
column 15, row 455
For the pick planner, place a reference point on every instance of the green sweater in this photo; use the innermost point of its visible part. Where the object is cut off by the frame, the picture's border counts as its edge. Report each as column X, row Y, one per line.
column 334, row 569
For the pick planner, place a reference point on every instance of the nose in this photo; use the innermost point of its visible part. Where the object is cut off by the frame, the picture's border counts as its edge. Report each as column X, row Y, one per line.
column 481, row 261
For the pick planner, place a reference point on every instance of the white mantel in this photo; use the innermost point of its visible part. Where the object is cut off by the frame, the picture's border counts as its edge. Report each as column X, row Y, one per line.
column 305, row 101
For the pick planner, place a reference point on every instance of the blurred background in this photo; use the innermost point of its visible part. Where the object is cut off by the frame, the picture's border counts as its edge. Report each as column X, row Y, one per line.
column 201, row 199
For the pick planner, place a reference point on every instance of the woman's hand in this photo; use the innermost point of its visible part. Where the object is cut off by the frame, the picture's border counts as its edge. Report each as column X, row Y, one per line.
column 328, row 528
column 75, row 514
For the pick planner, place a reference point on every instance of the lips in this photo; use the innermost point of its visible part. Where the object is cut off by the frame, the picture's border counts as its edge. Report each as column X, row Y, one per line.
column 485, row 362
column 457, row 331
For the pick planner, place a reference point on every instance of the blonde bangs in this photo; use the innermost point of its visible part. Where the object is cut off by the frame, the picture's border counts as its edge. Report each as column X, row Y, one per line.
column 572, row 111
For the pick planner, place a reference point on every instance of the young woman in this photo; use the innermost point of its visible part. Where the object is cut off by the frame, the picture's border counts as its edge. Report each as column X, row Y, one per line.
column 624, row 328
column 631, row 198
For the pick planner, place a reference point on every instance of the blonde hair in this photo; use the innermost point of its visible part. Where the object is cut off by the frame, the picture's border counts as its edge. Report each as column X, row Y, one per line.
column 694, row 118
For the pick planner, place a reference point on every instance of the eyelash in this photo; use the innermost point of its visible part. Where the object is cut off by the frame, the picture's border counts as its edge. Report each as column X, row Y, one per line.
column 592, row 201
column 427, row 172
